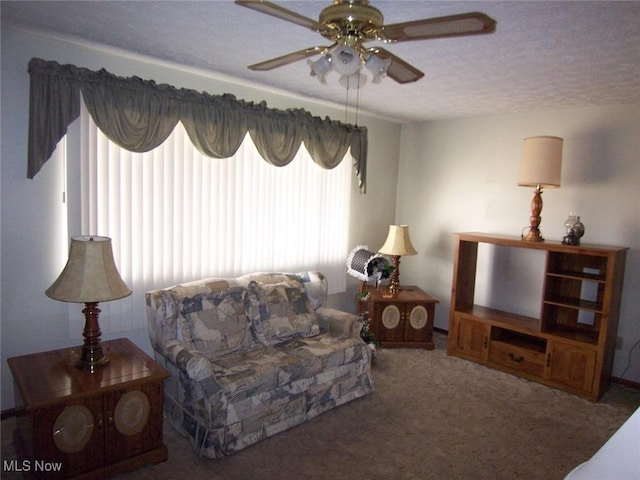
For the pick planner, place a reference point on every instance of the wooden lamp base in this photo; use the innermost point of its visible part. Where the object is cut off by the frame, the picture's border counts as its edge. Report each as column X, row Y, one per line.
column 534, row 234
column 394, row 283
column 92, row 354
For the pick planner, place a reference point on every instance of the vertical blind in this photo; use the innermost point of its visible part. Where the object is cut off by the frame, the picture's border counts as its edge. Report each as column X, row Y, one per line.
column 175, row 215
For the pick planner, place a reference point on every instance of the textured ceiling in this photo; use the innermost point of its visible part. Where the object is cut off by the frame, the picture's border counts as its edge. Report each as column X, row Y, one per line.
column 544, row 54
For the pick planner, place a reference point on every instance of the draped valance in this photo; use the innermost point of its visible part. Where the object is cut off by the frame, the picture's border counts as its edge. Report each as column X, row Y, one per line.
column 139, row 115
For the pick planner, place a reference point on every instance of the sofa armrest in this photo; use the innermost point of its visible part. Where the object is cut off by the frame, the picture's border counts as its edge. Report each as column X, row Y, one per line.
column 340, row 323
column 193, row 364
column 193, row 394
column 191, row 361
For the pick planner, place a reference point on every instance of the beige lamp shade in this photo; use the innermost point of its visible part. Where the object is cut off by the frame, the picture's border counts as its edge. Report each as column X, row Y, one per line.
column 398, row 242
column 90, row 274
column 541, row 162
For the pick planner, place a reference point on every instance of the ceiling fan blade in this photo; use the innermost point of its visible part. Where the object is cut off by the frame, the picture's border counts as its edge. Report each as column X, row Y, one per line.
column 399, row 70
column 473, row 23
column 283, row 13
column 287, row 59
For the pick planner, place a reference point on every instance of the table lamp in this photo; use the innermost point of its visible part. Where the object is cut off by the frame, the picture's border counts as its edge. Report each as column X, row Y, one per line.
column 397, row 244
column 90, row 276
column 540, row 167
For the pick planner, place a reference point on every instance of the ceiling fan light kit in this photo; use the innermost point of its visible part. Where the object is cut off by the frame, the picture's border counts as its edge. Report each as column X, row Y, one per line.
column 349, row 24
column 357, row 80
column 320, row 68
column 345, row 60
column 377, row 66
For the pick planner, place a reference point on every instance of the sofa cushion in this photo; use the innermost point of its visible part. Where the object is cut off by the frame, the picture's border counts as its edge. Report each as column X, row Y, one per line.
column 261, row 369
column 216, row 323
column 284, row 312
column 329, row 350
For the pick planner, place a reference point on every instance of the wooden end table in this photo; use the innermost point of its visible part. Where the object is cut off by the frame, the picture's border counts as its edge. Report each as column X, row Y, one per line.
column 404, row 319
column 82, row 424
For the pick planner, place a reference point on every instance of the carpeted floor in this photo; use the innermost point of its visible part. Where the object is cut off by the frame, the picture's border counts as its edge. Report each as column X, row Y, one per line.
column 431, row 417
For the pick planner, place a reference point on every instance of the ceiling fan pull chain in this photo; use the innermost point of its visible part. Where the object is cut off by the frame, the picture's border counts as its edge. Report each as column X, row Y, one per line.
column 346, row 105
column 357, row 100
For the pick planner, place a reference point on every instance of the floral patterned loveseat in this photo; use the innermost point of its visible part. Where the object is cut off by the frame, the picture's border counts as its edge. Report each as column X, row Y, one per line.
column 252, row 356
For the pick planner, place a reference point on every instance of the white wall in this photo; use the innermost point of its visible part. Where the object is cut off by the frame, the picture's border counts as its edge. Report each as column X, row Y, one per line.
column 460, row 175
column 32, row 250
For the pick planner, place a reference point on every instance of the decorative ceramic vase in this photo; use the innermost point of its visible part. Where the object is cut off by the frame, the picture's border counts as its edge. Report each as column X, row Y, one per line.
column 573, row 222
column 574, row 228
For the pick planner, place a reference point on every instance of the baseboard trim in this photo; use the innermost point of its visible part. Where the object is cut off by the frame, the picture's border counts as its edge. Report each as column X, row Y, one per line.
column 626, row 383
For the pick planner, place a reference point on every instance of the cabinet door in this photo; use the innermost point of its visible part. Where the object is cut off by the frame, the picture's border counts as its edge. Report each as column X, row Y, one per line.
column 471, row 338
column 70, row 435
column 416, row 322
column 571, row 366
column 134, row 421
column 390, row 323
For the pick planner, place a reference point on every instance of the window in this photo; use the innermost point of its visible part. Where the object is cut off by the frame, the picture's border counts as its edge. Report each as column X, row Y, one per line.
column 175, row 215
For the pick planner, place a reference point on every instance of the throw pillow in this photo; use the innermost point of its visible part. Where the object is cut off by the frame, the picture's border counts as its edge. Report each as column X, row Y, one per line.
column 285, row 313
column 216, row 323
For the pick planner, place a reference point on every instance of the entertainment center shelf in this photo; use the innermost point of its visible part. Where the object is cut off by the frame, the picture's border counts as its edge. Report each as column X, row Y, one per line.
column 571, row 345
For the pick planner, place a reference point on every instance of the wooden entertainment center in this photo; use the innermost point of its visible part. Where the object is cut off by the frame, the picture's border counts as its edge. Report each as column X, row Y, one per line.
column 571, row 344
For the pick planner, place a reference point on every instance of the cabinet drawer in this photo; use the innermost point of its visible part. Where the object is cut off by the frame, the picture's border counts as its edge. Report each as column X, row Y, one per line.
column 517, row 358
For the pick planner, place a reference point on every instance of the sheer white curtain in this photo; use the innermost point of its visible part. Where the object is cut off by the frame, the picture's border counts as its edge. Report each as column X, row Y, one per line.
column 175, row 215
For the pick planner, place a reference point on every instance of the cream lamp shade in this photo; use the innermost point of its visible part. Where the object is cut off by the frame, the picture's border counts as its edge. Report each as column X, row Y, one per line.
column 90, row 276
column 398, row 242
column 541, row 162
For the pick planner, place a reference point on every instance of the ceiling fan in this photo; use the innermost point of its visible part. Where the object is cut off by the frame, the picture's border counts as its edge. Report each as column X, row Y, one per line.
column 349, row 24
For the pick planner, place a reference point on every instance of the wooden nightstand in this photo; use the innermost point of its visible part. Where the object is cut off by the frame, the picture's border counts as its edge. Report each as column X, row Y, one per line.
column 75, row 423
column 404, row 319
